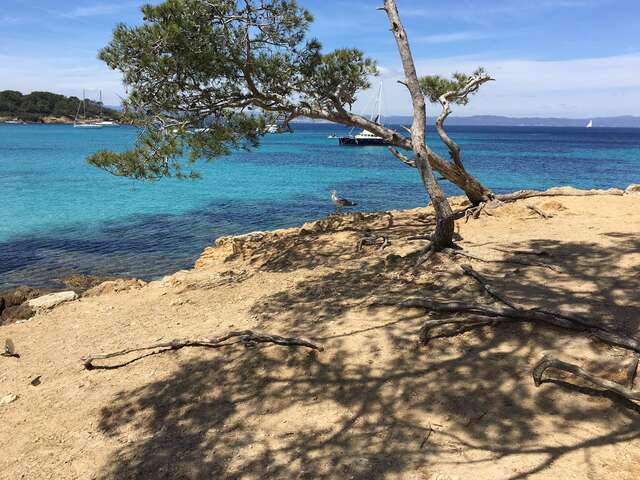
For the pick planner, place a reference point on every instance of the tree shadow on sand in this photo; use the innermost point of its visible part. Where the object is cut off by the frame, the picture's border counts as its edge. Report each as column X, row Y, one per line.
column 376, row 404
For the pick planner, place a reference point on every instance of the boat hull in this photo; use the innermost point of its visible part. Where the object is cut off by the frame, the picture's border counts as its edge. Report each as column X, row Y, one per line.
column 362, row 142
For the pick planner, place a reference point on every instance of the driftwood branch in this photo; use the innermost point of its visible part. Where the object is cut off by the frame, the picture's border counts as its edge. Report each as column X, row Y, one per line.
column 553, row 192
column 246, row 337
column 550, row 362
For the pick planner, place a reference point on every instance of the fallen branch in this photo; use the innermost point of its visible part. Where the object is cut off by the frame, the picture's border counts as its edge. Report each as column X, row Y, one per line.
column 246, row 337
column 549, row 361
column 554, row 192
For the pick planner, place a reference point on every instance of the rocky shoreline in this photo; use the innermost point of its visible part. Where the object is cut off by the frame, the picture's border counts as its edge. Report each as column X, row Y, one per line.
column 21, row 303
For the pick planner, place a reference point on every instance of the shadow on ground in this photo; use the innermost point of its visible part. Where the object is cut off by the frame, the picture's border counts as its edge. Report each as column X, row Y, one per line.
column 376, row 404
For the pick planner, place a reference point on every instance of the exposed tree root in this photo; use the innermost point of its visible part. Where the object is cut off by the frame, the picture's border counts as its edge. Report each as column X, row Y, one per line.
column 510, row 312
column 246, row 337
column 425, row 255
column 626, row 391
column 474, row 212
column 372, row 239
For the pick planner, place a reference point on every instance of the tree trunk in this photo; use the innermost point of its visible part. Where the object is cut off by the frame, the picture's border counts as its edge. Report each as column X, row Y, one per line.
column 443, row 235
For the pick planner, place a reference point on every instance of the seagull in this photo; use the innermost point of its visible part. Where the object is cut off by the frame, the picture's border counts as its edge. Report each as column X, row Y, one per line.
column 340, row 202
column 9, row 349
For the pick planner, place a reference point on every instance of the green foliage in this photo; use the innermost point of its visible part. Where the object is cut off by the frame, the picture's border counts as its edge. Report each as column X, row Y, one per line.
column 229, row 65
column 36, row 105
column 434, row 86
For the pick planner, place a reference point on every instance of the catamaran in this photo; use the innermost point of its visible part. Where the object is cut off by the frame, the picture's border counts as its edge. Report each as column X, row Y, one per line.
column 81, row 120
column 366, row 138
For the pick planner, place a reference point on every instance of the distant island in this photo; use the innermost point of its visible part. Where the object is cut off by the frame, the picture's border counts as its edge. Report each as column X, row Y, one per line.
column 625, row 121
column 47, row 107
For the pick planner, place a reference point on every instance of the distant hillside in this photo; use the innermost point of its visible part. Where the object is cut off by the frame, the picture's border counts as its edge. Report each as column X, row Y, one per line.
column 46, row 107
column 626, row 121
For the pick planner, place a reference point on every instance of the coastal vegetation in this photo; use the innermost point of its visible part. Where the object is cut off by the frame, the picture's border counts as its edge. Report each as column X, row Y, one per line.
column 39, row 107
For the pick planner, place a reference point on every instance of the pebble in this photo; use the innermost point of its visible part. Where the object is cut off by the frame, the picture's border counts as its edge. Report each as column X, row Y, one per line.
column 7, row 399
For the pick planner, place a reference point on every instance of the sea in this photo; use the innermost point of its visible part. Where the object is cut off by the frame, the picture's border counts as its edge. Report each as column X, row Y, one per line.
column 60, row 216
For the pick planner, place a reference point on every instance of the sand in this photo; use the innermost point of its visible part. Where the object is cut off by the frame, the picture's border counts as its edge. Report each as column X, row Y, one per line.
column 375, row 404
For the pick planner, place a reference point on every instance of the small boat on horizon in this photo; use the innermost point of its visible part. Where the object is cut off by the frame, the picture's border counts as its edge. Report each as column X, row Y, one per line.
column 590, row 124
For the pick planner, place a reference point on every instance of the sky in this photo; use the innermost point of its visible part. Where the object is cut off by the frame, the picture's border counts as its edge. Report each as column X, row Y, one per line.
column 552, row 58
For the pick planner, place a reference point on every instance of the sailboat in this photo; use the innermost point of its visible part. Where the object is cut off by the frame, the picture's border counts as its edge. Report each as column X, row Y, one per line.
column 366, row 138
column 590, row 124
column 81, row 120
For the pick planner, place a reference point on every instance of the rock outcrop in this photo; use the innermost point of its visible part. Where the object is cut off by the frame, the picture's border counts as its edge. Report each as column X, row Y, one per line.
column 633, row 189
column 52, row 300
column 13, row 304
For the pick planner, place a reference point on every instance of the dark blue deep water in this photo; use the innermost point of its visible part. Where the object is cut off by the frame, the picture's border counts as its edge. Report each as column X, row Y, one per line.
column 60, row 216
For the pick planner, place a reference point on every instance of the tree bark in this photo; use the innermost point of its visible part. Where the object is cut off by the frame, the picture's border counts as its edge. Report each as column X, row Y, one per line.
column 443, row 235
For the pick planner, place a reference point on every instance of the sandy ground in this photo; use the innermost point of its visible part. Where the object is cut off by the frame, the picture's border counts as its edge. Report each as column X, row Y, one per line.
column 375, row 403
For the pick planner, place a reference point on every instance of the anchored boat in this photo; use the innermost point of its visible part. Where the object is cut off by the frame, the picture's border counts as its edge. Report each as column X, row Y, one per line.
column 366, row 138
column 81, row 115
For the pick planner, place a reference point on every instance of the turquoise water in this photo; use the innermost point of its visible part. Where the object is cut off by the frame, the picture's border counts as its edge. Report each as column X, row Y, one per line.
column 61, row 216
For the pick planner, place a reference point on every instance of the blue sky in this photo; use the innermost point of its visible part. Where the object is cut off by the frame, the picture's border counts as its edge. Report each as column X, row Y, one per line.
column 577, row 58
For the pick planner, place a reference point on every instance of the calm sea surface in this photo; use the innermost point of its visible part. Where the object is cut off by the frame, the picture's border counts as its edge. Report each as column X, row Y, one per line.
column 60, row 216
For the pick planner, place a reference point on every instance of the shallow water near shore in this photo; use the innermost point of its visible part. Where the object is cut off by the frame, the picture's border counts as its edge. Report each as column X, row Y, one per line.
column 61, row 216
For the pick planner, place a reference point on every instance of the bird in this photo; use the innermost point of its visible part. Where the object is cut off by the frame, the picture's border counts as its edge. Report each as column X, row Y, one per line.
column 340, row 202
column 9, row 349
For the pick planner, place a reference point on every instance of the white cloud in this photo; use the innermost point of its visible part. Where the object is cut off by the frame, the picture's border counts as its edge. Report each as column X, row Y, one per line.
column 576, row 87
column 452, row 37
column 92, row 11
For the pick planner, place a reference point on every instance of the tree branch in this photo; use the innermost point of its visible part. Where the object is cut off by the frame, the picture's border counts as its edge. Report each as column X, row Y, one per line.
column 549, row 361
column 247, row 337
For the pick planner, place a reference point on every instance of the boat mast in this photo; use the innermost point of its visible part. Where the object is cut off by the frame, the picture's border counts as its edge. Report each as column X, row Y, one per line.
column 378, row 118
column 84, row 105
column 100, row 114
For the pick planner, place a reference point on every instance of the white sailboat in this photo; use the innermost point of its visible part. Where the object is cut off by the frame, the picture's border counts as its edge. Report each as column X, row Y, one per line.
column 81, row 120
column 366, row 138
column 590, row 124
